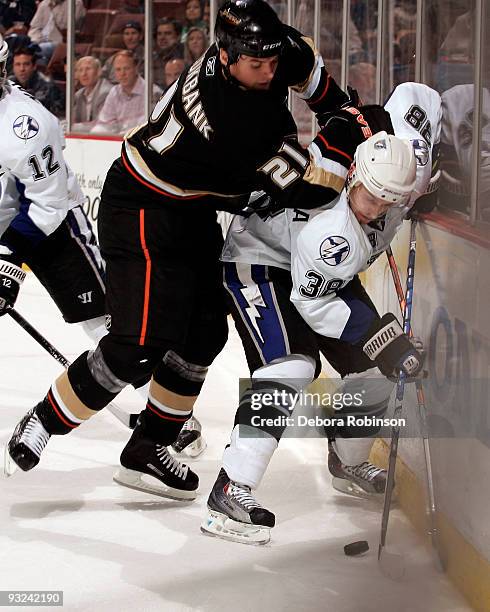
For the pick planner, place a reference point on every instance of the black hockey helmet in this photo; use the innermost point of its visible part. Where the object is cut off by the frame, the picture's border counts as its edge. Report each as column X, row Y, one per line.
column 250, row 27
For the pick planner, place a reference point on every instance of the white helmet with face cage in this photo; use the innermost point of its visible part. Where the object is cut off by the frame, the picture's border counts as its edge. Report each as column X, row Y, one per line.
column 386, row 166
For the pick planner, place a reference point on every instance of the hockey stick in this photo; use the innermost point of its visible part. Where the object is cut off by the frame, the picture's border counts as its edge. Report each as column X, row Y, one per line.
column 392, row 564
column 126, row 419
column 432, row 508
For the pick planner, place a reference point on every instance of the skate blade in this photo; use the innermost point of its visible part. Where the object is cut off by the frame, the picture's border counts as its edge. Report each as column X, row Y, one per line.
column 148, row 484
column 219, row 525
column 9, row 465
column 351, row 488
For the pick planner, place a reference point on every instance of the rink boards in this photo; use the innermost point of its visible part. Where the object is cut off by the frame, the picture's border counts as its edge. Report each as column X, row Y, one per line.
column 450, row 314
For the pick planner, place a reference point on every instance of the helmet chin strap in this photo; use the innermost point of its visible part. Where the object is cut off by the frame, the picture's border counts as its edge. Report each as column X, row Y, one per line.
column 229, row 77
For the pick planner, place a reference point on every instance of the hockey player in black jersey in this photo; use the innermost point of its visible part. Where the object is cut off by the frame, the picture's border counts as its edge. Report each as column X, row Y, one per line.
column 222, row 130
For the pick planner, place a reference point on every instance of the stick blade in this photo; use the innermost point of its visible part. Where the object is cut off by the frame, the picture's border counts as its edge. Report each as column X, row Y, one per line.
column 391, row 564
column 440, row 555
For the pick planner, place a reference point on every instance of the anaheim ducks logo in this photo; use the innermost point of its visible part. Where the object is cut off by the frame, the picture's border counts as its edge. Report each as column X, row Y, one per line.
column 228, row 16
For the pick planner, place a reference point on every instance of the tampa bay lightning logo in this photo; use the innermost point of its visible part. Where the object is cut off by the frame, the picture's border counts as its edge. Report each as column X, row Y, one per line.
column 334, row 250
column 25, row 127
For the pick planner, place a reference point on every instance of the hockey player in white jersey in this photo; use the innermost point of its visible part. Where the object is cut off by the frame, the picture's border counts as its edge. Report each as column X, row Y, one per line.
column 311, row 258
column 42, row 223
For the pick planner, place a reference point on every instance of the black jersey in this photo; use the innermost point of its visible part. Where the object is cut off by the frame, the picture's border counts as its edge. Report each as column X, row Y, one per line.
column 208, row 139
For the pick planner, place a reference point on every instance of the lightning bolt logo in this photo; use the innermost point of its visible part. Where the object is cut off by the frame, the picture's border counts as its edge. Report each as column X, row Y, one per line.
column 334, row 250
column 254, row 299
column 25, row 127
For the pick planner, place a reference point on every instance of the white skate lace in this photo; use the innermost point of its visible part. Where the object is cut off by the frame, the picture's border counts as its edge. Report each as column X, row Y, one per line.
column 34, row 435
column 243, row 496
column 366, row 471
column 175, row 467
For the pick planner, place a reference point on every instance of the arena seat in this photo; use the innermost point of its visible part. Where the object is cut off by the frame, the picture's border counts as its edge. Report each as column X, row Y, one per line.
column 173, row 9
column 96, row 25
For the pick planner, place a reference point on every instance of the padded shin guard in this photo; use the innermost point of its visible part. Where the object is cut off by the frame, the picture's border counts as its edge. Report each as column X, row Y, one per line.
column 90, row 381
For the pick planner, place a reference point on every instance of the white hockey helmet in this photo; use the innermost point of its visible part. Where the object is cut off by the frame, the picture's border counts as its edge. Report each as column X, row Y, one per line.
column 386, row 166
column 4, row 53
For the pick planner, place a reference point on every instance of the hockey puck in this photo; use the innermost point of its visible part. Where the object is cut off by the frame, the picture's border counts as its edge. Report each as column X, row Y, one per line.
column 356, row 548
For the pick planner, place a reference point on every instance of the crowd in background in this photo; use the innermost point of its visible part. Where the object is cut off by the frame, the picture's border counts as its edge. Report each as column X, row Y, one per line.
column 109, row 49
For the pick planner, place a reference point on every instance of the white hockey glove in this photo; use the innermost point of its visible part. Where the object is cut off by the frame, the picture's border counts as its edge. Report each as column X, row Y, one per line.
column 391, row 349
column 11, row 278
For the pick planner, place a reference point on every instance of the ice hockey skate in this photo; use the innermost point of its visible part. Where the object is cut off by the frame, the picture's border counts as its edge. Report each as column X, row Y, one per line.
column 149, row 467
column 364, row 480
column 234, row 514
column 190, row 441
column 26, row 444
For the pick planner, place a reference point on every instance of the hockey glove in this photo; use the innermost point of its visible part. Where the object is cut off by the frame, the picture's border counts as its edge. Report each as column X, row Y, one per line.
column 260, row 203
column 345, row 129
column 390, row 348
column 11, row 278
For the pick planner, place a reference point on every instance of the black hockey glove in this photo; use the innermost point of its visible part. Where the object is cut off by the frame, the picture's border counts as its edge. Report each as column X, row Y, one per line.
column 371, row 116
column 11, row 278
column 391, row 349
column 260, row 203
column 346, row 128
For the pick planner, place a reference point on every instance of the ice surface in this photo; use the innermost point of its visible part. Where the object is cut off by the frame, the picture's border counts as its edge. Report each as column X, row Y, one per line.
column 67, row 526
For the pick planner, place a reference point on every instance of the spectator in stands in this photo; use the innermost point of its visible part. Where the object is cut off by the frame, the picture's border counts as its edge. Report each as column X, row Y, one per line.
column 27, row 76
column 132, row 38
column 168, row 46
column 173, row 69
column 362, row 76
column 124, row 106
column 331, row 33
column 19, row 41
column 90, row 99
column 50, row 22
column 15, row 14
column 458, row 46
column 206, row 14
column 194, row 17
column 195, row 44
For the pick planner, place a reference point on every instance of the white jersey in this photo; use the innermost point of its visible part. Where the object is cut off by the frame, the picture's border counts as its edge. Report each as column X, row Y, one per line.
column 37, row 187
column 326, row 247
